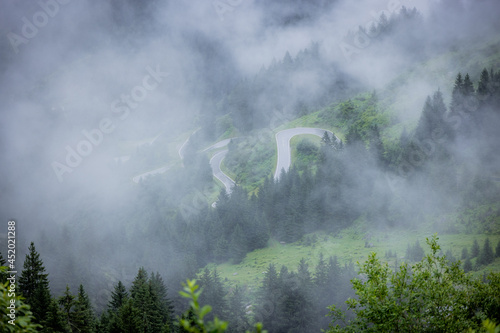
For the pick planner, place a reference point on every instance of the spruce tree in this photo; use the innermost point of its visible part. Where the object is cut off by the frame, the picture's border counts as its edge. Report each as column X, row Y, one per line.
column 139, row 283
column 84, row 317
column 457, row 94
column 167, row 307
column 67, row 302
column 427, row 120
column 486, row 256
column 34, row 284
column 238, row 245
column 269, row 295
column 465, row 253
column 484, row 82
column 321, row 275
column 128, row 320
column 468, row 87
column 236, row 313
column 146, row 304
column 54, row 321
column 118, row 297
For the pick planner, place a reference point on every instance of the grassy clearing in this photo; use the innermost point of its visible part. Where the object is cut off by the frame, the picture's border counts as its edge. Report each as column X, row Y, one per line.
column 251, row 159
column 348, row 245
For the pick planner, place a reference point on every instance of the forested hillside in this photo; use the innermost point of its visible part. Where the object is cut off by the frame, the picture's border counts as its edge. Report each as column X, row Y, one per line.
column 123, row 224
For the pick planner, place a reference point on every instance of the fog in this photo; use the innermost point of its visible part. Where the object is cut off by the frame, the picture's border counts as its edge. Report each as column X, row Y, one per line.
column 85, row 82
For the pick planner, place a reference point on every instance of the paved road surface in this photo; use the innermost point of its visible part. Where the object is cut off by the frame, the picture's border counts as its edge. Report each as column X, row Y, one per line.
column 215, row 162
column 283, row 143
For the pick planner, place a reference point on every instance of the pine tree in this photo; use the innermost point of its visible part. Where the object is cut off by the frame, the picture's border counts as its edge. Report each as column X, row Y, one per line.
column 238, row 244
column 296, row 304
column 221, row 252
column 465, row 253
column 129, row 319
column 486, row 256
column 139, row 283
column 84, row 317
column 118, row 297
column 239, row 322
column 484, row 82
column 426, row 122
column 457, row 94
column 54, row 321
column 321, row 275
column 34, row 284
column 146, row 304
column 474, row 252
column 217, row 295
column 269, row 295
column 167, row 308
column 333, row 270
column 468, row 87
column 66, row 302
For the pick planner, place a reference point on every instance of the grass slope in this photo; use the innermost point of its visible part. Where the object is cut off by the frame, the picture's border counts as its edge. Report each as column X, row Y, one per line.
column 348, row 245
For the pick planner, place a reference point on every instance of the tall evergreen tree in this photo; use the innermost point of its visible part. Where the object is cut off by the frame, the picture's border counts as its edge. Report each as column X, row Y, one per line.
column 146, row 303
column 129, row 319
column 67, row 302
column 139, row 283
column 457, row 94
column 34, row 284
column 167, row 307
column 474, row 252
column 214, row 293
column 238, row 245
column 484, row 83
column 54, row 322
column 465, row 253
column 84, row 317
column 321, row 274
column 468, row 87
column 118, row 297
column 486, row 256
column 269, row 295
column 239, row 322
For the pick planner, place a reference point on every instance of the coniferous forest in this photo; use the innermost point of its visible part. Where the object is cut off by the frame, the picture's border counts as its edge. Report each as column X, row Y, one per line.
column 387, row 220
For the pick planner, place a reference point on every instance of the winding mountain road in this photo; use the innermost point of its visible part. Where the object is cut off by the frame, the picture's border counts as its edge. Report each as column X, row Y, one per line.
column 215, row 163
column 283, row 143
column 283, row 147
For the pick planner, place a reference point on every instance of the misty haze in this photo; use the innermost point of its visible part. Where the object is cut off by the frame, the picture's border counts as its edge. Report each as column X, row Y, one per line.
column 307, row 165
